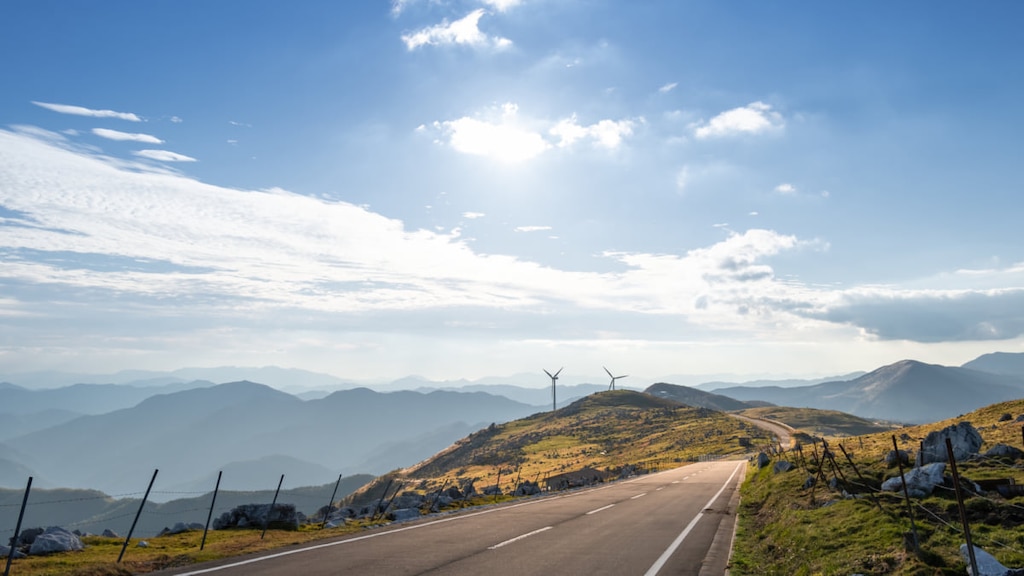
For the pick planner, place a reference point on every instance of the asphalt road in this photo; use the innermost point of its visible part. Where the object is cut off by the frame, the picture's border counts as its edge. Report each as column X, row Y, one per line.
column 783, row 432
column 678, row 522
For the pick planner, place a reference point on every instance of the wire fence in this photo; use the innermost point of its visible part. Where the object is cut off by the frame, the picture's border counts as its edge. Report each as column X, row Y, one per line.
column 148, row 513
column 845, row 479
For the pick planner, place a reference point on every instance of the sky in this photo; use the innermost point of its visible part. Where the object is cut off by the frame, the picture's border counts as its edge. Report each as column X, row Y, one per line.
column 460, row 189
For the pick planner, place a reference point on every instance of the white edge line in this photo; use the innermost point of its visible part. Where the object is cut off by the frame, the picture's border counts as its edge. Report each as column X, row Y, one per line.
column 365, row 537
column 520, row 537
column 660, row 562
column 599, row 509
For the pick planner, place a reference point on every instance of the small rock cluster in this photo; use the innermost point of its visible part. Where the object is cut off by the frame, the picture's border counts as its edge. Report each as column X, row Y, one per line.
column 410, row 505
column 282, row 517
column 39, row 542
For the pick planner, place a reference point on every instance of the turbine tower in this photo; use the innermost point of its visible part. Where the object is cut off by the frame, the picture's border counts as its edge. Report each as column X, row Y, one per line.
column 611, row 386
column 554, row 377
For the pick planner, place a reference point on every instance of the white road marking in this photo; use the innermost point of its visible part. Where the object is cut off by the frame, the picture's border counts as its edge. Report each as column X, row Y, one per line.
column 599, row 509
column 660, row 562
column 520, row 537
column 638, row 496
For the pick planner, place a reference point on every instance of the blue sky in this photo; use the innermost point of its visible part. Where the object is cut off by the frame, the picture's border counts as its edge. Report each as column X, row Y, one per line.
column 461, row 189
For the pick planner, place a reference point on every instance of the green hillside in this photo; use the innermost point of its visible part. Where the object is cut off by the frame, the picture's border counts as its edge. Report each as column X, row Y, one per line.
column 605, row 431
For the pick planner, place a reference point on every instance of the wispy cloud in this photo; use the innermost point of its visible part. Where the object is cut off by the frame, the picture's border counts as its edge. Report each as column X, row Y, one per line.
column 668, row 87
column 473, row 215
column 785, row 188
column 163, row 156
column 118, row 135
column 465, row 31
column 161, row 245
column 754, row 118
column 81, row 111
column 399, row 6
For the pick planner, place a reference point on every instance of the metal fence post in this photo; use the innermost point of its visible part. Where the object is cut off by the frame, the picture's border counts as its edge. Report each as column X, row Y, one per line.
column 17, row 527
column 216, row 488
column 906, row 496
column 331, row 502
column 272, row 504
column 960, row 505
column 137, row 514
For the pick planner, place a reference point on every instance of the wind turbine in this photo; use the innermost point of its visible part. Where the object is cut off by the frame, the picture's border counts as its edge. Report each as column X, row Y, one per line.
column 611, row 386
column 554, row 377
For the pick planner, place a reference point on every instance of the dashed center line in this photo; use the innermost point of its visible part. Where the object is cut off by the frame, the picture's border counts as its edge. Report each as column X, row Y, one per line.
column 639, row 496
column 599, row 509
column 517, row 538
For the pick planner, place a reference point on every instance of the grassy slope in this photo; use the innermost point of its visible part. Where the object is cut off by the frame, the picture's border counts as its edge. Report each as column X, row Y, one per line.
column 786, row 529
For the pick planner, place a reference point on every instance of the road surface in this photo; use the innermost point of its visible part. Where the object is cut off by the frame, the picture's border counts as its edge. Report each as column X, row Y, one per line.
column 677, row 522
column 783, row 432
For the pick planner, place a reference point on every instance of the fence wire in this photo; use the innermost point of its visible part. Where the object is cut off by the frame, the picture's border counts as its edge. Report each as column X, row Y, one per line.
column 821, row 466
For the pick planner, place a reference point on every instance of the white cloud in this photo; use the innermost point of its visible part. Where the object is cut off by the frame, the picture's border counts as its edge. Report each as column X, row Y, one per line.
column 502, row 5
column 668, row 87
column 176, row 120
column 163, row 156
column 242, row 252
column 504, row 142
column 465, row 31
column 754, row 118
column 605, row 133
column 785, row 188
column 473, row 215
column 531, row 228
column 80, row 111
column 126, row 136
column 503, row 135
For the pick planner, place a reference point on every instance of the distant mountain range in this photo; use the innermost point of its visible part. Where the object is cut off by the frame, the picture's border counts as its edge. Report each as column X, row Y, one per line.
column 907, row 391
column 191, row 434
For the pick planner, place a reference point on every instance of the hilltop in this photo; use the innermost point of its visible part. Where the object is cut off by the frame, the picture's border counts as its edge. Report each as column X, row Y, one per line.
column 608, row 431
column 695, row 397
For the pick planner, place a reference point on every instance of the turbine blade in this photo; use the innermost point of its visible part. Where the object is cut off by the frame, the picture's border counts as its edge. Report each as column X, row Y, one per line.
column 608, row 371
column 549, row 374
column 559, row 372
